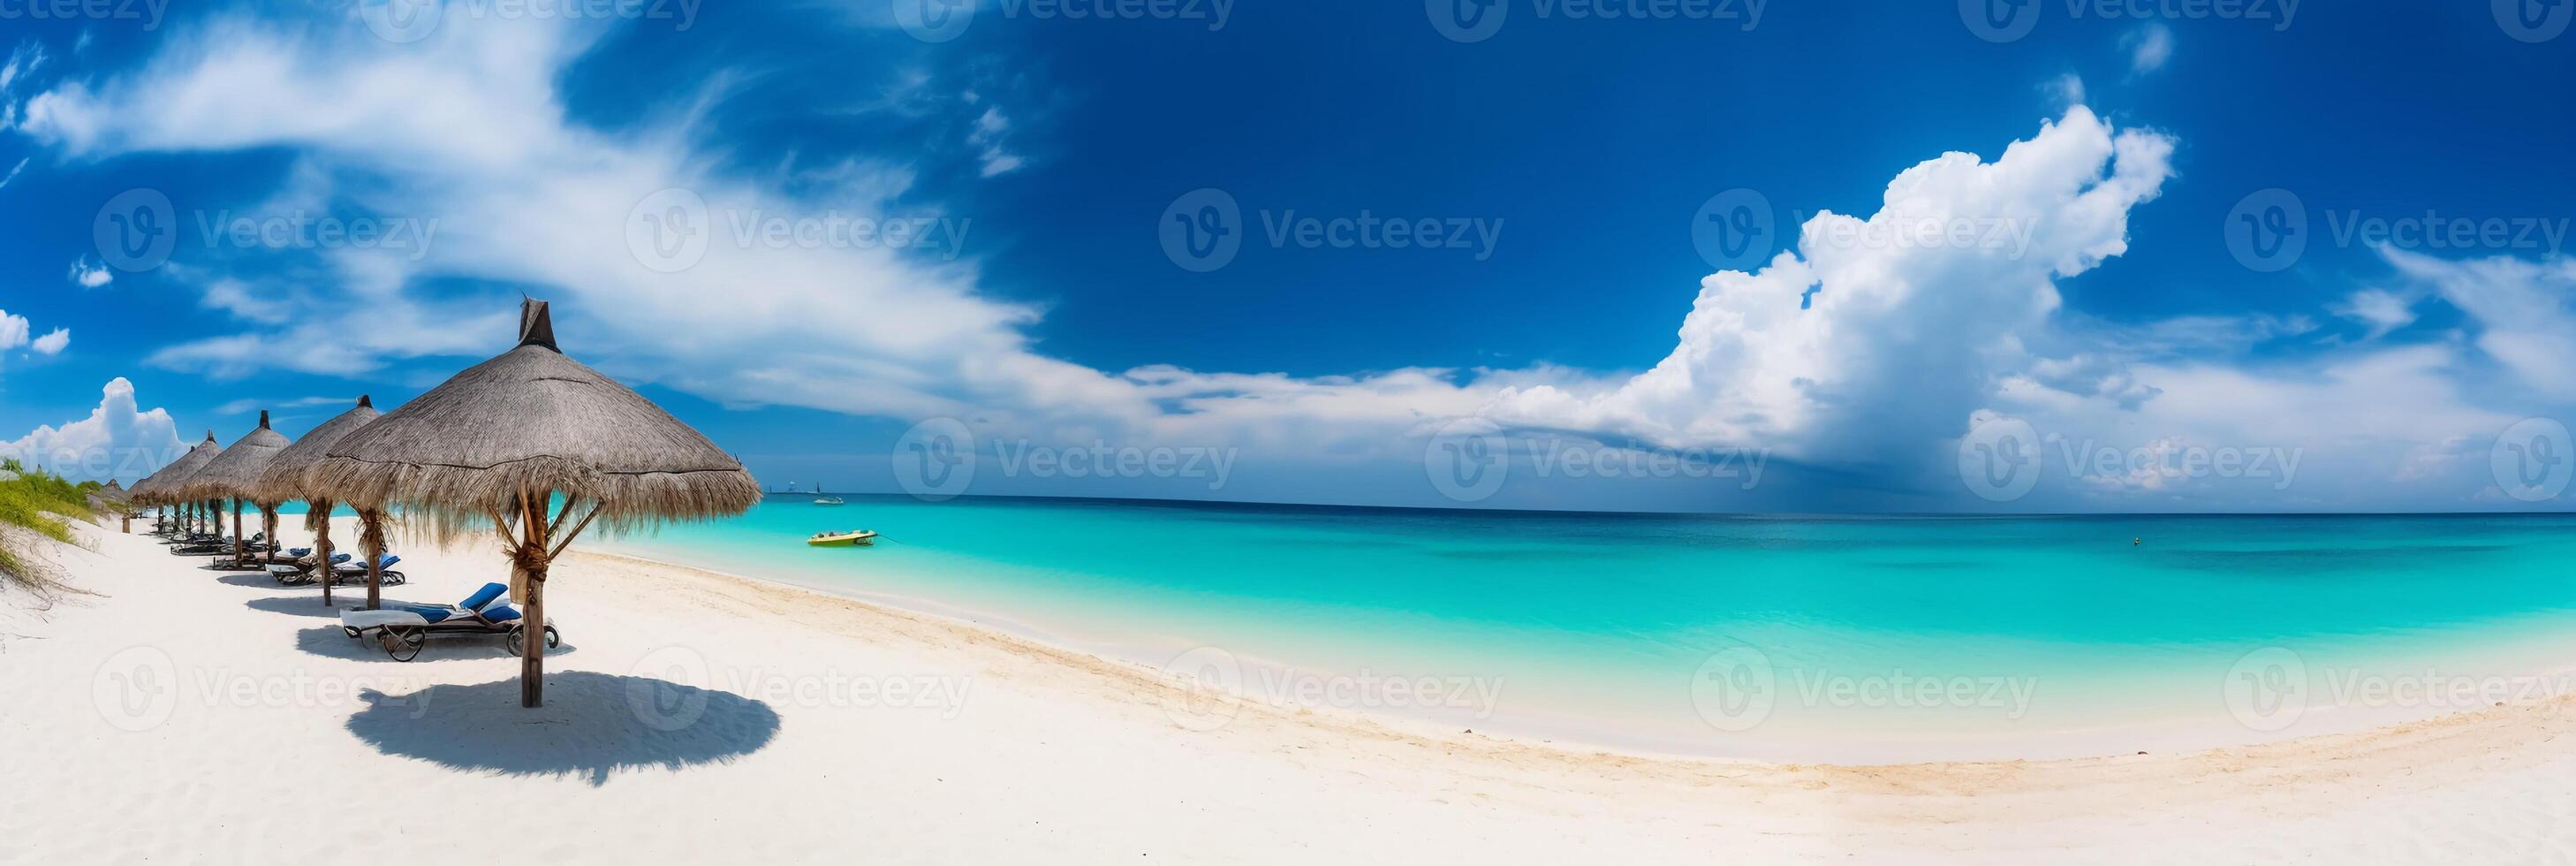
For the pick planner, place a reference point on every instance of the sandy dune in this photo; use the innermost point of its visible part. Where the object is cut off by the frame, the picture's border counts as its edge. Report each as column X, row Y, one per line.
column 185, row 715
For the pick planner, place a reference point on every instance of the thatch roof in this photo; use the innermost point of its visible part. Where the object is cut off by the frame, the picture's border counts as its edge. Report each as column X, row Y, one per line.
column 234, row 473
column 533, row 420
column 288, row 476
column 163, row 487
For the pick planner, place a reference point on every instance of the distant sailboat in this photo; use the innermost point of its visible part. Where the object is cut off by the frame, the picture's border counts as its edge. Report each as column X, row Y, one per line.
column 821, row 498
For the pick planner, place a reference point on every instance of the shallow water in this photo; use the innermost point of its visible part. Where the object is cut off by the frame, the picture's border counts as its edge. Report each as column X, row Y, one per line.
column 1868, row 638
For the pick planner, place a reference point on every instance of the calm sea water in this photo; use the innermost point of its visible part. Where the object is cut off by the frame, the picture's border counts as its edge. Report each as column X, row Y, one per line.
column 1875, row 638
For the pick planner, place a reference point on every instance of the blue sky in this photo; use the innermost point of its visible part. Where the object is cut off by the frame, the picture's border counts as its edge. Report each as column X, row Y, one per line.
column 2093, row 325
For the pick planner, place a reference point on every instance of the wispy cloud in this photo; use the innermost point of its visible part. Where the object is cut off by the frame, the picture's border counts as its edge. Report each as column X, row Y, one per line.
column 2149, row 47
column 90, row 275
column 252, row 404
column 53, row 342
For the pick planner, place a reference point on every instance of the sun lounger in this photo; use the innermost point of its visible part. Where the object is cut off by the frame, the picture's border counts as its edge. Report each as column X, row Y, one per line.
column 403, row 629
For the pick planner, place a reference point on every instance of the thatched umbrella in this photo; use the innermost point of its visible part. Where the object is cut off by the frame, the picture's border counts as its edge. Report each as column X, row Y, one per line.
column 234, row 475
column 166, row 487
column 289, row 477
column 498, row 442
column 110, row 499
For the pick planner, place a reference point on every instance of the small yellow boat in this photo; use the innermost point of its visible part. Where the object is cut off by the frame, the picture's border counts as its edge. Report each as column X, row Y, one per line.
column 852, row 538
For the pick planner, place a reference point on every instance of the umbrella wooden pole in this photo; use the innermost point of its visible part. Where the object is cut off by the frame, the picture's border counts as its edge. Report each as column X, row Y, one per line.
column 239, row 548
column 322, row 544
column 371, row 543
column 532, row 559
column 268, row 527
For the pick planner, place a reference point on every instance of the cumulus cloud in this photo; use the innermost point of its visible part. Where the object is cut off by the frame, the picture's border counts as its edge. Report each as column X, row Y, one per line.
column 13, row 331
column 52, row 342
column 90, row 275
column 1915, row 309
column 118, row 440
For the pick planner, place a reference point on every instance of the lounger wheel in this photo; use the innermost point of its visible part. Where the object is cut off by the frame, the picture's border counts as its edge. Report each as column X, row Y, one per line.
column 393, row 578
column 517, row 639
column 403, row 644
column 353, row 633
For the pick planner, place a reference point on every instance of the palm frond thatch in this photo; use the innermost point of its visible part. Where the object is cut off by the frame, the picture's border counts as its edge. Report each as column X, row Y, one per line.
column 235, row 473
column 532, row 421
column 288, row 476
column 163, row 487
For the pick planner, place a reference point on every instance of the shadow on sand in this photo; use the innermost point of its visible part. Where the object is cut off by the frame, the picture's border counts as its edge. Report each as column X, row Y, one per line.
column 307, row 605
column 330, row 642
column 592, row 725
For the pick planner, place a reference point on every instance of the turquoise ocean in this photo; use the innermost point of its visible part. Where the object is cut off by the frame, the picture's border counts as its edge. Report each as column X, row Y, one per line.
column 1874, row 638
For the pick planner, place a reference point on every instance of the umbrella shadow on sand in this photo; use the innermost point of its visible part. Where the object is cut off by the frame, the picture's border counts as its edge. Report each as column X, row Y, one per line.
column 329, row 641
column 592, row 726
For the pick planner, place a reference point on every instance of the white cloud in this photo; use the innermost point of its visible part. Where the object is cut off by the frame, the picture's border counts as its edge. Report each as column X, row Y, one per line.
column 2522, row 311
column 52, row 342
column 990, row 127
column 1902, row 338
column 249, row 404
column 13, row 173
column 90, row 275
column 2149, row 47
column 117, row 440
column 2382, row 310
column 13, row 331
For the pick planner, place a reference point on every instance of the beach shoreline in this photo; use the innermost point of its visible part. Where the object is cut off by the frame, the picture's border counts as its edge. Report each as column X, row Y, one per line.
column 738, row 698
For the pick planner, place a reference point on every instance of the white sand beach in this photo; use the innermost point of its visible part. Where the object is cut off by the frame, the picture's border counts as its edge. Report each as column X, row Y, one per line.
column 176, row 714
